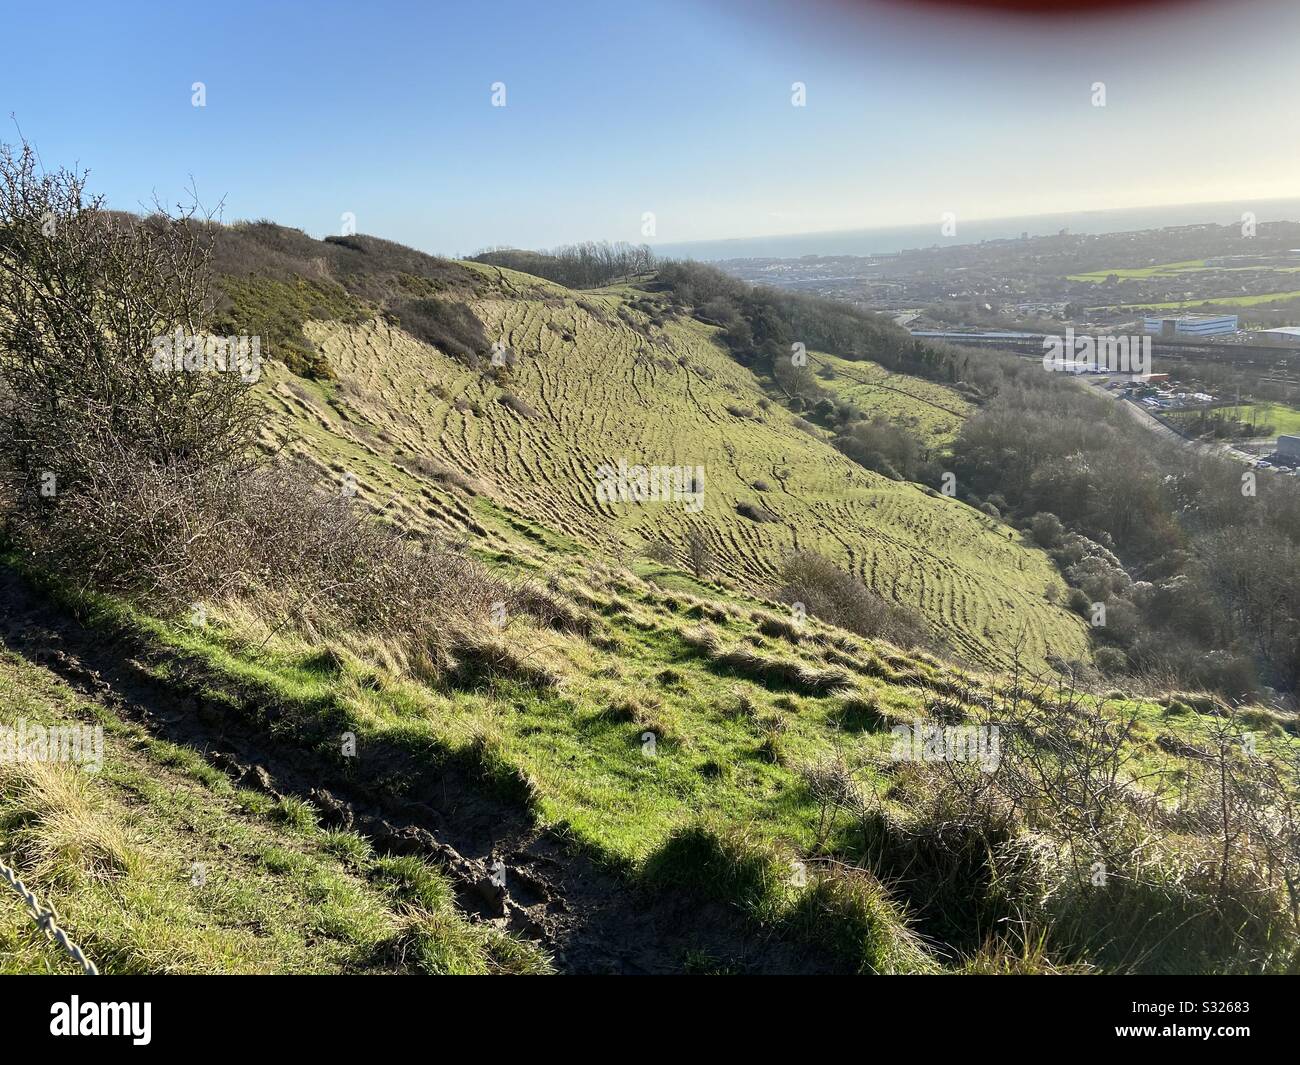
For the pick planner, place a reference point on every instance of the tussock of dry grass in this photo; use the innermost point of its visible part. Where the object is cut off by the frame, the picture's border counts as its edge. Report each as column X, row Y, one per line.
column 478, row 660
column 59, row 828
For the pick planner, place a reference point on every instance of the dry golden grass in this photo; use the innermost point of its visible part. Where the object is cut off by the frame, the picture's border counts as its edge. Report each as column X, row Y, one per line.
column 62, row 833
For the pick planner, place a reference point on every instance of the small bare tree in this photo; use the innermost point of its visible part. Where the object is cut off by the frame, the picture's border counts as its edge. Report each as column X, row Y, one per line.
column 660, row 551
column 699, row 554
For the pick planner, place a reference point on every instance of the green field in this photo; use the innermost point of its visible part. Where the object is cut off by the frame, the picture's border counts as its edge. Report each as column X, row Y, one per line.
column 1217, row 301
column 1127, row 273
column 1284, row 420
column 1188, row 266
column 1177, row 269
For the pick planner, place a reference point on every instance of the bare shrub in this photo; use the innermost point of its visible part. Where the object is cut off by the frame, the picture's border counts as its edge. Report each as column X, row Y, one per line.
column 838, row 597
column 84, row 295
column 521, row 407
column 449, row 326
column 1104, row 858
column 575, row 265
column 427, row 466
column 660, row 551
column 140, row 480
column 755, row 512
column 699, row 554
column 167, row 532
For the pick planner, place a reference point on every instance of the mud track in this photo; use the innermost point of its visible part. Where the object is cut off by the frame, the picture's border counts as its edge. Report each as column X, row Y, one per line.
column 590, row 919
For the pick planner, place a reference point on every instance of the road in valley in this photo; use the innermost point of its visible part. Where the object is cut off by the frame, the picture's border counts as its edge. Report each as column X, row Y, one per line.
column 1162, row 428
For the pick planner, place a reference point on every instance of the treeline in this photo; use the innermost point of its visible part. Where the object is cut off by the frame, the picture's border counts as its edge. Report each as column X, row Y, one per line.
column 760, row 325
column 1193, row 559
column 586, row 265
column 764, row 328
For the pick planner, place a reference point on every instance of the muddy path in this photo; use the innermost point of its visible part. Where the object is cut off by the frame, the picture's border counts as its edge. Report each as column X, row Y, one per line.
column 590, row 919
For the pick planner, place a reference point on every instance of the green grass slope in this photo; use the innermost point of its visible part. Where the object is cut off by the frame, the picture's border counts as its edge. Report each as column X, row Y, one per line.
column 157, row 863
column 512, row 458
column 932, row 412
column 687, row 744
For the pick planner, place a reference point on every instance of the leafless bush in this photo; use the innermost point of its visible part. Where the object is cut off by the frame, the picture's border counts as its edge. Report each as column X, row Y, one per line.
column 575, row 265
column 755, row 512
column 660, row 551
column 320, row 558
column 84, row 294
column 167, row 532
column 838, row 597
column 306, row 558
column 835, row 786
column 698, row 553
column 521, row 407
column 123, row 478
column 1142, row 868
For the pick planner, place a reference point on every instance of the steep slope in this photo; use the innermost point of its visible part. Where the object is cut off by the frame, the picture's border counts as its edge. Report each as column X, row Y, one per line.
column 932, row 412
column 156, row 862
column 517, row 449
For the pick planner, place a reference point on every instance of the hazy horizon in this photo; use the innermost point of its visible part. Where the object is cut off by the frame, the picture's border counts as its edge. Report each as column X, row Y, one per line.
column 976, row 230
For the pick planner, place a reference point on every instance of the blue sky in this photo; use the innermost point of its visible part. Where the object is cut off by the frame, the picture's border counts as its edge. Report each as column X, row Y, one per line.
column 682, row 109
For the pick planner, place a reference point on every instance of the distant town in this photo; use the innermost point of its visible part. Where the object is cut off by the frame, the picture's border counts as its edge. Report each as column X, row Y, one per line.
column 1220, row 302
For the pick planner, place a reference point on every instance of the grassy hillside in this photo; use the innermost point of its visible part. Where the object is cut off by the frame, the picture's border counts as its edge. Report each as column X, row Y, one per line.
column 437, row 443
column 336, row 744
column 158, row 863
column 932, row 412
column 692, row 748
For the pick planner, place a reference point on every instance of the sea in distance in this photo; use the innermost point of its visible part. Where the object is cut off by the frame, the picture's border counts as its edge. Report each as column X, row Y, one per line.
column 885, row 240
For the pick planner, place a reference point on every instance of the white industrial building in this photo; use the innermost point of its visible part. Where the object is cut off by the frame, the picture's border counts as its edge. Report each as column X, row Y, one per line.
column 1190, row 325
column 1285, row 335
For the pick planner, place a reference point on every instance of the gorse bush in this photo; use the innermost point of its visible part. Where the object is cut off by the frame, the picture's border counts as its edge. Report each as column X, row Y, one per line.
column 276, row 310
column 271, row 279
column 448, row 326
